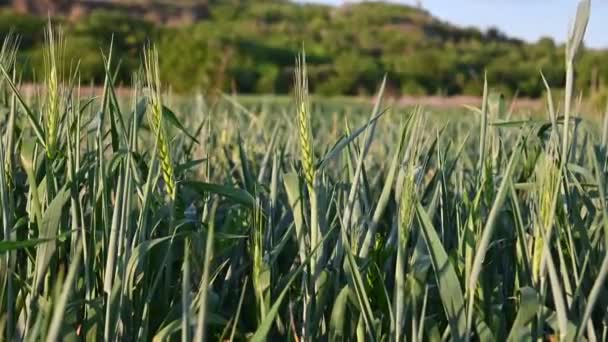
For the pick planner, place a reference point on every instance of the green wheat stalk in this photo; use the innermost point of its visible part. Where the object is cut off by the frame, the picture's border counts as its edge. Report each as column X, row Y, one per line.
column 407, row 208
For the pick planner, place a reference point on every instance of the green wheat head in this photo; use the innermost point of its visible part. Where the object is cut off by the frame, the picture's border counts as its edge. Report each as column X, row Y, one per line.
column 155, row 118
column 305, row 130
column 548, row 176
column 407, row 205
column 53, row 57
column 413, row 176
column 8, row 54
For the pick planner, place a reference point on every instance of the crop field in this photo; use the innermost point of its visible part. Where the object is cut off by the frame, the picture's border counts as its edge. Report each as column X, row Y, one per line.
column 159, row 217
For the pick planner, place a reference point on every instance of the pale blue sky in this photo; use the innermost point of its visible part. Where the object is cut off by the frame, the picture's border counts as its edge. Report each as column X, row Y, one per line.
column 526, row 19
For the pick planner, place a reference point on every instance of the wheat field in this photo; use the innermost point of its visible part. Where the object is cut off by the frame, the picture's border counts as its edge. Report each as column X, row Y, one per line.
column 150, row 217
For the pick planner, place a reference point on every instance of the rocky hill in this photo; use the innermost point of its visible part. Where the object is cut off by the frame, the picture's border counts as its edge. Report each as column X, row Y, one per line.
column 248, row 46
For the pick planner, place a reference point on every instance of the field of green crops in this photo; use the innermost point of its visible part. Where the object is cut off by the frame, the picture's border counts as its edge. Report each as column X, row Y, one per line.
column 157, row 217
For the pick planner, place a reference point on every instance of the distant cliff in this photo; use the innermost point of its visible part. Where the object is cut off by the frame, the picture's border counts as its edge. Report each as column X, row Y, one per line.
column 166, row 12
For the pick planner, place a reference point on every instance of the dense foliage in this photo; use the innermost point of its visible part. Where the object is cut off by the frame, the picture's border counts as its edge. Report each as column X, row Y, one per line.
column 248, row 47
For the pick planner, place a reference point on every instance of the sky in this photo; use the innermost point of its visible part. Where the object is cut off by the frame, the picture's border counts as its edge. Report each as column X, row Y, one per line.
column 525, row 19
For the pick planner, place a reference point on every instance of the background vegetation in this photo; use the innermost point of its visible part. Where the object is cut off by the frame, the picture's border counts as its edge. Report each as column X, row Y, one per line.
column 248, row 47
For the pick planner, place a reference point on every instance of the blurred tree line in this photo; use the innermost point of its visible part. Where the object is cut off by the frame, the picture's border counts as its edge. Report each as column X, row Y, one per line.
column 250, row 46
